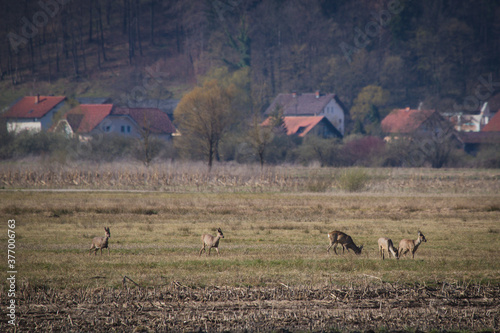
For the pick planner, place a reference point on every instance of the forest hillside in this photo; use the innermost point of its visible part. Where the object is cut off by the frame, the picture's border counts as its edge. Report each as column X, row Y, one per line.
column 442, row 53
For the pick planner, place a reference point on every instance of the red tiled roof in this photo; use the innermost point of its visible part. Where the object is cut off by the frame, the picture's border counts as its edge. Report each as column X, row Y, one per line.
column 405, row 120
column 153, row 119
column 28, row 108
column 493, row 125
column 85, row 117
column 480, row 137
column 301, row 104
column 298, row 125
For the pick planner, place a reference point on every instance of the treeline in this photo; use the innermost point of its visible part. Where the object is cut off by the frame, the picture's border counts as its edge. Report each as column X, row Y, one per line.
column 355, row 150
column 430, row 51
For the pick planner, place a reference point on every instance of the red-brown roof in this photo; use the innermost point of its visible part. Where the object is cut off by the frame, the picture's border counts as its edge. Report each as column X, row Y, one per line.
column 298, row 125
column 480, row 137
column 301, row 104
column 27, row 107
column 152, row 119
column 405, row 120
column 85, row 117
column 493, row 125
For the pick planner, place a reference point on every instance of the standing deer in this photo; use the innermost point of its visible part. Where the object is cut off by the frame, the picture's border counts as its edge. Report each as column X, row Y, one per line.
column 410, row 245
column 385, row 244
column 100, row 242
column 338, row 237
column 211, row 241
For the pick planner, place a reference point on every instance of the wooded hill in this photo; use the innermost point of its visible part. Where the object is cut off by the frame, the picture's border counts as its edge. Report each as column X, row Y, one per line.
column 443, row 53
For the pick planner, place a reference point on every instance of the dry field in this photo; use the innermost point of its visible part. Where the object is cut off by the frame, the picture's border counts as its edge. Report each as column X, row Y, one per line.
column 273, row 273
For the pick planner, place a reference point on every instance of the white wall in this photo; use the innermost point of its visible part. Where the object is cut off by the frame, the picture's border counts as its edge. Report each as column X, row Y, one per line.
column 335, row 114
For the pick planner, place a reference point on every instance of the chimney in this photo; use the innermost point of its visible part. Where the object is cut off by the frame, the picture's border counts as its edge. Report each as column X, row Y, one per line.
column 37, row 99
column 317, row 93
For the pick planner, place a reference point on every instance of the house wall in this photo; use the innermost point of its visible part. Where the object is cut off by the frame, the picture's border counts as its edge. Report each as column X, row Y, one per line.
column 335, row 114
column 123, row 125
column 19, row 125
column 118, row 125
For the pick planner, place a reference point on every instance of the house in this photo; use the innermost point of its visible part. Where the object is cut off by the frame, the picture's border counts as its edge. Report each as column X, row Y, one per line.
column 493, row 125
column 310, row 104
column 33, row 113
column 83, row 120
column 138, row 122
column 302, row 126
column 471, row 121
column 488, row 137
column 166, row 105
column 409, row 121
column 474, row 141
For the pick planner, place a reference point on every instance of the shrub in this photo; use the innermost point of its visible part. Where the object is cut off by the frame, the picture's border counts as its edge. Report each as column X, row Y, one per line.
column 353, row 180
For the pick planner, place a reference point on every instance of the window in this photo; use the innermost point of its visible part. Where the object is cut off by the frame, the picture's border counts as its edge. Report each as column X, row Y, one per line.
column 122, row 129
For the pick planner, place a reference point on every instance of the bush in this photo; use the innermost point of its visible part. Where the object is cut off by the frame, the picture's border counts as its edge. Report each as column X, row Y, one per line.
column 353, row 180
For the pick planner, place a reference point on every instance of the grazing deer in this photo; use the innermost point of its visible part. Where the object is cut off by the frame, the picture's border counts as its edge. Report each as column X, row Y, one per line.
column 410, row 245
column 100, row 242
column 338, row 237
column 211, row 241
column 385, row 244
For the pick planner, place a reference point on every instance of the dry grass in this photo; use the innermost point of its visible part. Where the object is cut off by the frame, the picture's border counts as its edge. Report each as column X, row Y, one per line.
column 275, row 242
column 270, row 238
column 193, row 177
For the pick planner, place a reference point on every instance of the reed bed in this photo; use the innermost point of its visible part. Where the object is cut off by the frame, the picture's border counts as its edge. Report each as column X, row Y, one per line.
column 195, row 177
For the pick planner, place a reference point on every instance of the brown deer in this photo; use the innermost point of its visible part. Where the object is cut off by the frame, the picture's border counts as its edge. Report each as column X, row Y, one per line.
column 211, row 241
column 385, row 244
column 410, row 245
column 100, row 242
column 338, row 237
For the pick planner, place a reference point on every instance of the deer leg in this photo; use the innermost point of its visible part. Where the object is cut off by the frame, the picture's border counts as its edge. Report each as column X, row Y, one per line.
column 217, row 249
column 335, row 248
column 202, row 249
column 328, row 249
column 209, row 249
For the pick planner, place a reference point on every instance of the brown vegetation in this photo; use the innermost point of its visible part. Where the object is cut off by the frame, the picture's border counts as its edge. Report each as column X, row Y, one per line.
column 175, row 307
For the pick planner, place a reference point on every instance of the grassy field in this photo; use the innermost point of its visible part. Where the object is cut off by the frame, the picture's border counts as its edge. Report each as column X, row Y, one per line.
column 273, row 239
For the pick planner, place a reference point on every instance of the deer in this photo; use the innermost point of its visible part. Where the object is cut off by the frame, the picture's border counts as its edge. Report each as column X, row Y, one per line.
column 338, row 237
column 210, row 242
column 410, row 245
column 385, row 244
column 100, row 242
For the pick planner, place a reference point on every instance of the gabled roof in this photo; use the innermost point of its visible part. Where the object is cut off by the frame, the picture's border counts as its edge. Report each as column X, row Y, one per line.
column 300, row 126
column 493, row 125
column 301, row 104
column 85, row 117
column 480, row 137
column 405, row 120
column 27, row 107
column 152, row 119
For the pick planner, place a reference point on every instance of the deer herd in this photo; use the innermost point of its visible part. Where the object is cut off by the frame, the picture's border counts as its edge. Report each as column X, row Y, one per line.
column 335, row 238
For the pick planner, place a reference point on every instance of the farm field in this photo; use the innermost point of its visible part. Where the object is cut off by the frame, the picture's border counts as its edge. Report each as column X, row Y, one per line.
column 274, row 272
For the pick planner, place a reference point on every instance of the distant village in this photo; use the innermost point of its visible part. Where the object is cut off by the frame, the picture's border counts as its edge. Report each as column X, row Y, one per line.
column 302, row 114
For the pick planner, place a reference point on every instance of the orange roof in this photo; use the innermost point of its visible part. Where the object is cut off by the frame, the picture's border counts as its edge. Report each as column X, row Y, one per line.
column 405, row 120
column 85, row 117
column 298, row 125
column 494, row 124
column 27, row 107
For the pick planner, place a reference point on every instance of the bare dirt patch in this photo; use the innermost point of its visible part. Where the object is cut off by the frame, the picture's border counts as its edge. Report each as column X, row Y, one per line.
column 175, row 307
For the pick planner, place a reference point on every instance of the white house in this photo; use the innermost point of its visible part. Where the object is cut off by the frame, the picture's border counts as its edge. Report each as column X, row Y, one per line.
column 33, row 113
